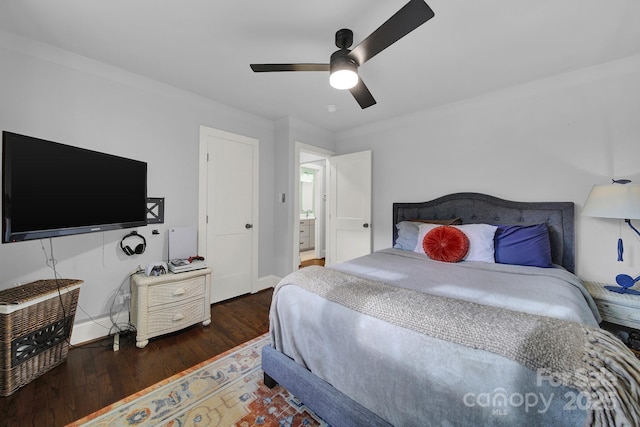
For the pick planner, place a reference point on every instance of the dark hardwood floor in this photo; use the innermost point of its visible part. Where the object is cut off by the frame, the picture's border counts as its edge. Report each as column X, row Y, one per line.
column 94, row 376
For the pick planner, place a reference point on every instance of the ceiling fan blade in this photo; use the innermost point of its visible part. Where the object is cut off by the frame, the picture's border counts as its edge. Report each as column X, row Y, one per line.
column 265, row 68
column 407, row 19
column 361, row 93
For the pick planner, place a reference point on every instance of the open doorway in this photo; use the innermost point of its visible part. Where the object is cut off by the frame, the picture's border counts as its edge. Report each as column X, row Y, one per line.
column 312, row 197
column 310, row 205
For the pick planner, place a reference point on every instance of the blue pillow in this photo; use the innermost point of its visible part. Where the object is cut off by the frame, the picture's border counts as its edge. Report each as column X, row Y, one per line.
column 523, row 245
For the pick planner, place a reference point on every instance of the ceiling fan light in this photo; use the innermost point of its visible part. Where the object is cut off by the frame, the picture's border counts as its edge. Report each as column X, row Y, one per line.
column 343, row 79
column 343, row 70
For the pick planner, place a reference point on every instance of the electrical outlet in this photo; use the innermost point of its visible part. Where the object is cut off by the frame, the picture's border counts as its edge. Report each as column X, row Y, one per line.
column 121, row 297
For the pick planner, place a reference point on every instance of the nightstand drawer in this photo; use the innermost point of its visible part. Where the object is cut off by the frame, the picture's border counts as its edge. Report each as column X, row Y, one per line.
column 177, row 291
column 174, row 318
column 611, row 311
column 614, row 307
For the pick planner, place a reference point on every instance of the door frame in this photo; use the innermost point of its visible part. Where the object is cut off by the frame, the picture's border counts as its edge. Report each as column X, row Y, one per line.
column 298, row 147
column 202, row 195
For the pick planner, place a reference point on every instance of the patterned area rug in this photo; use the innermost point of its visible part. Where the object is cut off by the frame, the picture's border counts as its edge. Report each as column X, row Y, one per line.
column 224, row 391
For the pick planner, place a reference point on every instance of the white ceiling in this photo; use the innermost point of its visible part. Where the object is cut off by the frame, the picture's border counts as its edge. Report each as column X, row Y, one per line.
column 470, row 47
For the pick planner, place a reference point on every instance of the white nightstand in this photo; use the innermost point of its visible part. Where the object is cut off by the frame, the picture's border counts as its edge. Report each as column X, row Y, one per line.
column 169, row 302
column 620, row 309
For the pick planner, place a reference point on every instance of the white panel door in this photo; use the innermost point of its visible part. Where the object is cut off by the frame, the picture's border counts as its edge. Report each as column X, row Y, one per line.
column 349, row 207
column 231, row 213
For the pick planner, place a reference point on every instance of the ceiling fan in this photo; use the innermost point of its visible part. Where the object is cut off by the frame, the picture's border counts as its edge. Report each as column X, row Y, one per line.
column 344, row 63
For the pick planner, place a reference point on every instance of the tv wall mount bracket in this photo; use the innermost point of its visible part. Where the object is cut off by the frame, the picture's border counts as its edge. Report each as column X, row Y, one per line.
column 155, row 210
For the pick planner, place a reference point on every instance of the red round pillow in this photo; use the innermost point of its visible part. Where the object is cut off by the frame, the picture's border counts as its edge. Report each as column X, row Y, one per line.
column 446, row 243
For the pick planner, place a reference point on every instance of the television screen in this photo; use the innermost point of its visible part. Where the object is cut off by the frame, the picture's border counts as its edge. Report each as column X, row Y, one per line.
column 51, row 189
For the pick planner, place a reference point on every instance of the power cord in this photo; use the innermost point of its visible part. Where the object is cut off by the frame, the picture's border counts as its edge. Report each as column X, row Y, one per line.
column 51, row 262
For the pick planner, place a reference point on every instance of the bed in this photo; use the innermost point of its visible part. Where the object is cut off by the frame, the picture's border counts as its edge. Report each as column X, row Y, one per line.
column 398, row 338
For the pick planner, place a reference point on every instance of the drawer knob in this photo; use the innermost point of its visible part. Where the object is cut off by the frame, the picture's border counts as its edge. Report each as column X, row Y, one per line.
column 177, row 317
column 178, row 292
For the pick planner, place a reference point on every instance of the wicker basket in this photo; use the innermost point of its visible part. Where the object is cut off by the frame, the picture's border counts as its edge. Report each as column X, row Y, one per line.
column 36, row 321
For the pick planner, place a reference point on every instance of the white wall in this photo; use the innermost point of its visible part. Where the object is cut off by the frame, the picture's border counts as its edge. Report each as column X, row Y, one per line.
column 548, row 140
column 55, row 95
column 288, row 132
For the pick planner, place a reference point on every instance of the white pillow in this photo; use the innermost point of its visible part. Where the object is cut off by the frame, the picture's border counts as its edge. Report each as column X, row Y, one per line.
column 423, row 229
column 481, row 243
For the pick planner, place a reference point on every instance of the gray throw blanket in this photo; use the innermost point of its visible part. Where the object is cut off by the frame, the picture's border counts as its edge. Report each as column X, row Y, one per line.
column 587, row 359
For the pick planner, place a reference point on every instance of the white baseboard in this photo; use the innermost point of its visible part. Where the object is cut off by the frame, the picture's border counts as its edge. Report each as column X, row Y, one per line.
column 267, row 282
column 90, row 330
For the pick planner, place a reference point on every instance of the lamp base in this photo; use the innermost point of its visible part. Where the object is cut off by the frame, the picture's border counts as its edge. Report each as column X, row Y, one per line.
column 621, row 290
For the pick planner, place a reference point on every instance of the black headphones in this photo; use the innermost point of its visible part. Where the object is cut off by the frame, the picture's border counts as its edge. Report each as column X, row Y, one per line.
column 138, row 249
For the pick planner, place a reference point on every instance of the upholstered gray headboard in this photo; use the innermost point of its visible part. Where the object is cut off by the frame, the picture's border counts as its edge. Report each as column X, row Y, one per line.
column 476, row 208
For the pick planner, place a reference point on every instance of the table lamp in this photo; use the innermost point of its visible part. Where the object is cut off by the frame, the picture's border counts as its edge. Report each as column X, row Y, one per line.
column 620, row 200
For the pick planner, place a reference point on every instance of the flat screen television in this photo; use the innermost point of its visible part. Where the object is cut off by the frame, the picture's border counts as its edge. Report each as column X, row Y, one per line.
column 51, row 189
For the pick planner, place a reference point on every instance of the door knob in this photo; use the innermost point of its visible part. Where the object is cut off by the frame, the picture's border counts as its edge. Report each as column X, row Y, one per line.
column 365, row 225
column 248, row 226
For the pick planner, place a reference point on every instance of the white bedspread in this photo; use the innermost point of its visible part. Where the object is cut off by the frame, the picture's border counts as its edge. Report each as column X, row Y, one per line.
column 552, row 292
column 411, row 379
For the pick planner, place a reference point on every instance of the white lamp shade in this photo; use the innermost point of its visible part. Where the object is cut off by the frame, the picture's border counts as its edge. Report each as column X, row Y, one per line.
column 613, row 201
